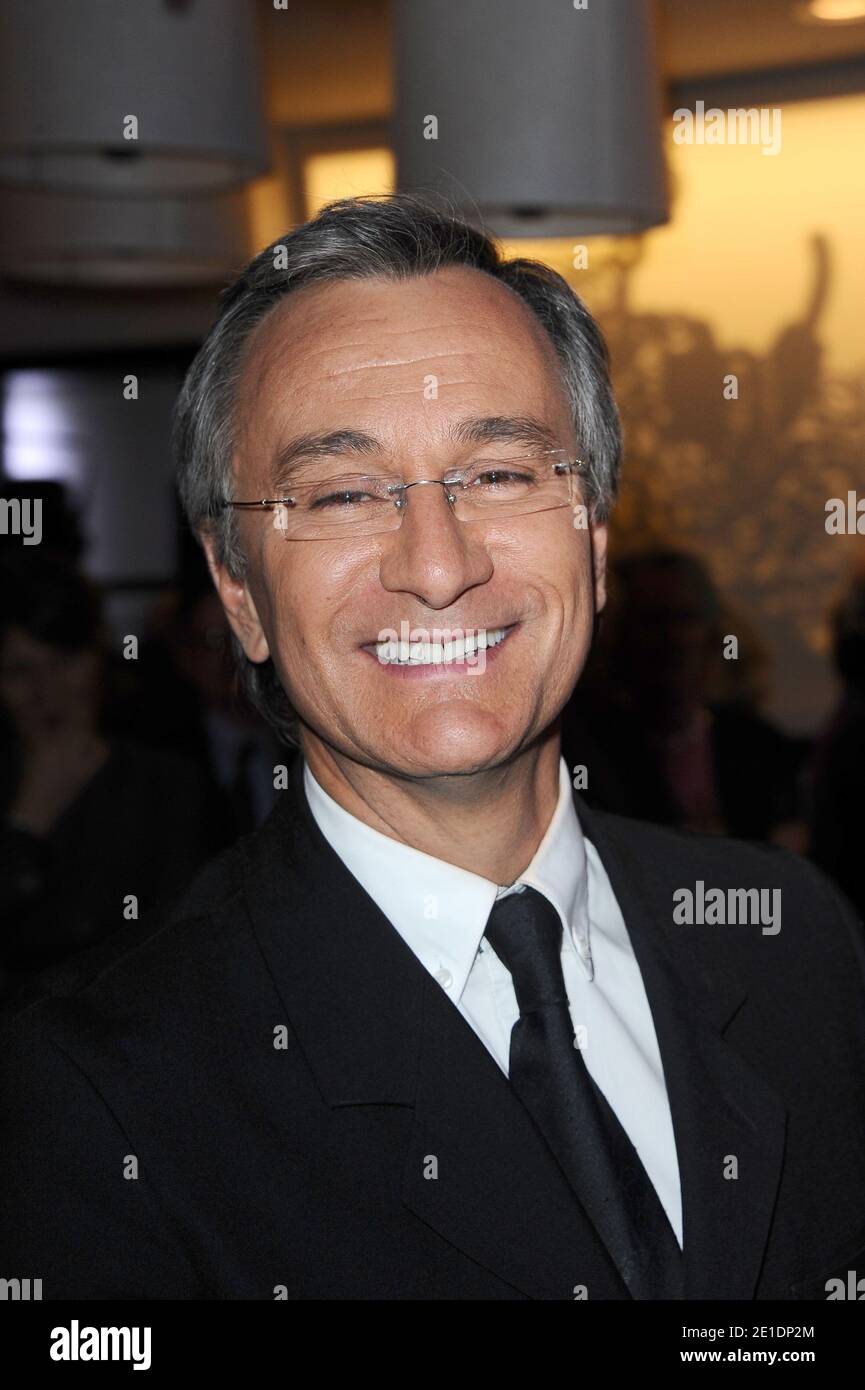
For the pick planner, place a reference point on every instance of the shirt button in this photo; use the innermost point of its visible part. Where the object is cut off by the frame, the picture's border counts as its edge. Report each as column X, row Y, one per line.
column 444, row 977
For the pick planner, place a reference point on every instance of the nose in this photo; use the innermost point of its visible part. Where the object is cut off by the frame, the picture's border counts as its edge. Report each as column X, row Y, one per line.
column 433, row 556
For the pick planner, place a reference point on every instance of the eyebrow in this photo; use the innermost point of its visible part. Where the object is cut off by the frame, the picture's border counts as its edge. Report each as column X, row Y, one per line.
column 480, row 429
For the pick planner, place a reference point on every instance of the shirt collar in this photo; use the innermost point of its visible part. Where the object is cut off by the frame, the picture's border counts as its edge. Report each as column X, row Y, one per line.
column 558, row 870
column 440, row 910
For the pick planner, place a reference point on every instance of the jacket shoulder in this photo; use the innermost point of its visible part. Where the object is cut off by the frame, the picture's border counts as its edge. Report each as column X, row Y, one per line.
column 144, row 965
column 669, row 850
column 818, row 929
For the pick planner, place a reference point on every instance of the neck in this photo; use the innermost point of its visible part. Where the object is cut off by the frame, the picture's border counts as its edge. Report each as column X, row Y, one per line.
column 490, row 822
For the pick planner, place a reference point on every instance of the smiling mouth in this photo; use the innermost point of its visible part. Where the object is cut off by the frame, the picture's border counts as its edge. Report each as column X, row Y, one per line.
column 433, row 653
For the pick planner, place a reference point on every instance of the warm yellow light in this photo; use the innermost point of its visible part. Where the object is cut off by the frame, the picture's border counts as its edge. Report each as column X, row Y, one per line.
column 268, row 211
column 346, row 174
column 834, row 11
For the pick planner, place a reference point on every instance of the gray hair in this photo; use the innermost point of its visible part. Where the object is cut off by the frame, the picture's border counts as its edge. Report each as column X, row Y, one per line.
column 398, row 237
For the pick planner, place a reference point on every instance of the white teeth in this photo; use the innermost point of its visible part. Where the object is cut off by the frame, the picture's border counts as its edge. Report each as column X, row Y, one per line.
column 439, row 653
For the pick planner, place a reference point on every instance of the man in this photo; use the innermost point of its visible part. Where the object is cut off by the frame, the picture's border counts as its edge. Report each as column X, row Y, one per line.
column 436, row 1031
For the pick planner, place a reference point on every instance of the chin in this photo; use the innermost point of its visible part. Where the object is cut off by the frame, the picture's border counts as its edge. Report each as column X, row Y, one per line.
column 458, row 738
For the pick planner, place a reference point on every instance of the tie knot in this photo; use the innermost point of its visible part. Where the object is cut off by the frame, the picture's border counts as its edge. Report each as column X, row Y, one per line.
column 525, row 931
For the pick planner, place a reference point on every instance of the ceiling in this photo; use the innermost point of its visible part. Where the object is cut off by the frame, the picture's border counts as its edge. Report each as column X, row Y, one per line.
column 328, row 61
column 703, row 37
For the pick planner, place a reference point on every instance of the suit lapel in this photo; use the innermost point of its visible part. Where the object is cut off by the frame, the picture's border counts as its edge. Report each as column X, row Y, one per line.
column 726, row 1118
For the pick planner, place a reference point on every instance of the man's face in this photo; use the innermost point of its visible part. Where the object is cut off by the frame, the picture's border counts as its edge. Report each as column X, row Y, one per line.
column 405, row 362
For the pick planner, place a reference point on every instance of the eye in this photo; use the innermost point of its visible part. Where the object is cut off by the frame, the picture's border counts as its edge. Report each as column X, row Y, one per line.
column 344, row 498
column 499, row 477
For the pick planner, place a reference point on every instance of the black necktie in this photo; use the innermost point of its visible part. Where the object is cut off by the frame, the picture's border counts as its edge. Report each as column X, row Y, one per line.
column 551, row 1079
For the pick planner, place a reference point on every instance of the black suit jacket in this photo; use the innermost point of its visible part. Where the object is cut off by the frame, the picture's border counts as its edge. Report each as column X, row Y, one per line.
column 270, row 1094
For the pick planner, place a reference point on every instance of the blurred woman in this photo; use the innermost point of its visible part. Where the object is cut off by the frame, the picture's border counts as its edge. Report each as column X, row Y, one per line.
column 95, row 832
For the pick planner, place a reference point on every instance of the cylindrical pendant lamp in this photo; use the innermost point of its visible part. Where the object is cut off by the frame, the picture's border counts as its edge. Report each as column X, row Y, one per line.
column 535, row 117
column 125, row 243
column 130, row 96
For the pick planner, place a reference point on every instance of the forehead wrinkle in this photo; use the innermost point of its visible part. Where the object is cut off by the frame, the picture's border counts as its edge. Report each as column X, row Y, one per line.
column 463, row 347
column 396, row 362
column 289, row 332
column 446, row 326
column 473, row 382
column 260, row 383
column 330, row 348
column 294, row 336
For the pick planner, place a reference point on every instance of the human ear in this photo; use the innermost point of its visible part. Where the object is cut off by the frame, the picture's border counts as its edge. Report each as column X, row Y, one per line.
column 599, row 535
column 240, row 609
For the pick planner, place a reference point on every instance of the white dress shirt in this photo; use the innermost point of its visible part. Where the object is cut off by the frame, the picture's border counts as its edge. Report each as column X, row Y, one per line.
column 441, row 913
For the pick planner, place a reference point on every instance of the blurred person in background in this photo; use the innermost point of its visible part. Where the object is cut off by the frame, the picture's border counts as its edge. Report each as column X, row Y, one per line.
column 651, row 726
column 87, row 822
column 186, row 697
column 837, row 792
